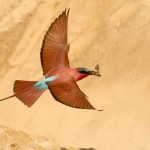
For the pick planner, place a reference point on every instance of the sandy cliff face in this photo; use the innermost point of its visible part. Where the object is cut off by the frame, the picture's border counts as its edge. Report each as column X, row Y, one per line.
column 17, row 140
column 114, row 34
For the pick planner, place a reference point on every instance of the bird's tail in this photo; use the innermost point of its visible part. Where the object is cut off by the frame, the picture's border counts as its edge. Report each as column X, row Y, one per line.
column 26, row 92
column 7, row 97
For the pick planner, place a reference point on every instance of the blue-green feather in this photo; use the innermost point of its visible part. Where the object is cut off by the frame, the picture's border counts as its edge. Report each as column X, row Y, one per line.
column 42, row 84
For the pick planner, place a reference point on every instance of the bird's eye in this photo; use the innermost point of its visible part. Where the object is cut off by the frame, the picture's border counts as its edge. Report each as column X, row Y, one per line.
column 83, row 71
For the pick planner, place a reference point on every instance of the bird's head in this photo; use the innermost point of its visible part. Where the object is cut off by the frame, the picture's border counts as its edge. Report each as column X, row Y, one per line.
column 87, row 72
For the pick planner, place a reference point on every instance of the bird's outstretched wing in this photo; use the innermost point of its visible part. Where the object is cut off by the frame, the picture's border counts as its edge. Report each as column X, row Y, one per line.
column 69, row 94
column 54, row 51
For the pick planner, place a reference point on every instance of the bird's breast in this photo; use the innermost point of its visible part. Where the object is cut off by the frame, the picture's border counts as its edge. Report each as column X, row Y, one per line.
column 63, row 74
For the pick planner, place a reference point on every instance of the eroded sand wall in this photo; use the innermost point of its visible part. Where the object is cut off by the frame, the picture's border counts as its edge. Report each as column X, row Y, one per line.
column 114, row 34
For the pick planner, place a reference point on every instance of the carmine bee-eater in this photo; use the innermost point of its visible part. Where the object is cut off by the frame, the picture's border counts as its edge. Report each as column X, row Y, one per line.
column 60, row 79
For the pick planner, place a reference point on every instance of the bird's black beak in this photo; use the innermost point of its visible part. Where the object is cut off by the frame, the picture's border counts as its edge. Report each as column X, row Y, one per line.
column 94, row 73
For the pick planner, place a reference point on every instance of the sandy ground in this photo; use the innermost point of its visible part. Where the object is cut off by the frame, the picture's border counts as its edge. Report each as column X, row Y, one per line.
column 113, row 33
column 11, row 139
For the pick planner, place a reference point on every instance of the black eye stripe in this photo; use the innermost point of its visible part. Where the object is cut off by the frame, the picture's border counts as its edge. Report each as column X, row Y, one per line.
column 83, row 71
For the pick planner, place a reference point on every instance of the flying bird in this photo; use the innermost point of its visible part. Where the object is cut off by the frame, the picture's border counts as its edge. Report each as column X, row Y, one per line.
column 60, row 79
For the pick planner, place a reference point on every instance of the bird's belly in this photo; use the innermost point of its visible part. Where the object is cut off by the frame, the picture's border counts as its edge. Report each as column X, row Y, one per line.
column 43, row 84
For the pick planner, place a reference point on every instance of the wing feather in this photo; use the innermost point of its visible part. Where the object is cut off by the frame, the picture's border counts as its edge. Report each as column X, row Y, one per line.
column 69, row 94
column 54, row 51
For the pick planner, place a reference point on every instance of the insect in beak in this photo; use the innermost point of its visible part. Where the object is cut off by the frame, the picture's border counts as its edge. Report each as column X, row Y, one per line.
column 96, row 73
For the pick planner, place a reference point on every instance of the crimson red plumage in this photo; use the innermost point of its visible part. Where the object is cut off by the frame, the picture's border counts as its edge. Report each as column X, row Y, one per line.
column 54, row 60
